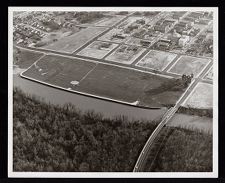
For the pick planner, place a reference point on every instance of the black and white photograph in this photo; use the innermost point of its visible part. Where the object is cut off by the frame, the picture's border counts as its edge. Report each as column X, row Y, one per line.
column 113, row 92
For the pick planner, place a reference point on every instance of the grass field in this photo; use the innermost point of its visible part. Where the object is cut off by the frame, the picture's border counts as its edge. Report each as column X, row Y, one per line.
column 189, row 65
column 201, row 97
column 209, row 74
column 109, row 21
column 157, row 60
column 70, row 43
column 59, row 71
column 103, row 80
column 24, row 58
column 97, row 49
column 125, row 54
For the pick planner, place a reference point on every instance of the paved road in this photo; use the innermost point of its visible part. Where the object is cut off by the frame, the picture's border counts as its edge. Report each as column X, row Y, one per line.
column 139, row 166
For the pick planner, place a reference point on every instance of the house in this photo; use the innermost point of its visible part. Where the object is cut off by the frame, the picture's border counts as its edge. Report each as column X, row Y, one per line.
column 145, row 43
column 161, row 28
column 164, row 43
column 174, row 37
column 183, row 40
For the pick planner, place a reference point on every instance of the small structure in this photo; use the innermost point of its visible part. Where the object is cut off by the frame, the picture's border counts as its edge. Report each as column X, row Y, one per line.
column 183, row 40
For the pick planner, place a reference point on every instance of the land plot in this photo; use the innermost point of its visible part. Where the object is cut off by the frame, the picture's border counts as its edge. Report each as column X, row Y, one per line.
column 114, row 35
column 125, row 54
column 24, row 58
column 97, row 49
column 102, row 80
column 189, row 65
column 109, row 21
column 59, row 71
column 70, row 43
column 122, row 84
column 209, row 74
column 201, row 97
column 157, row 60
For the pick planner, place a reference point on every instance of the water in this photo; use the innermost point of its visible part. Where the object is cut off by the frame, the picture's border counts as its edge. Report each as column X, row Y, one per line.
column 84, row 103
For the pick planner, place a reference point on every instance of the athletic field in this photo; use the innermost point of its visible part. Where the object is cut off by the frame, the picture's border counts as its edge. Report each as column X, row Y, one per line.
column 107, row 81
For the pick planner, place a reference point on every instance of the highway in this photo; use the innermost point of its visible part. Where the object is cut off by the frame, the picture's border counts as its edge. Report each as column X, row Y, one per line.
column 141, row 161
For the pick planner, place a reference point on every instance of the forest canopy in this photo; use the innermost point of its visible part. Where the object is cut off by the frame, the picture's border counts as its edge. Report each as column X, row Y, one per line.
column 48, row 137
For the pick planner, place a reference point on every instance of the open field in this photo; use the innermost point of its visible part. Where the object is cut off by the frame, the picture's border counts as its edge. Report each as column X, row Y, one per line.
column 201, row 97
column 109, row 21
column 189, row 65
column 59, row 71
column 70, row 43
column 157, row 60
column 125, row 54
column 209, row 74
column 97, row 49
column 24, row 58
column 107, row 81
column 192, row 122
column 57, row 35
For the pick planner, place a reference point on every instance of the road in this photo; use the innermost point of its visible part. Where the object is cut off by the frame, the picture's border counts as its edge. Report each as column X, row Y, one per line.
column 139, row 166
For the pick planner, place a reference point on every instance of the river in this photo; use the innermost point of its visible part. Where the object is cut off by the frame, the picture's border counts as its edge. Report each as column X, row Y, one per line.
column 84, row 103
column 107, row 108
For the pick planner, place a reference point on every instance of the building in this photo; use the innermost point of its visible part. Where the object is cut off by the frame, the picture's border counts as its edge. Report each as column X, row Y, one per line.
column 162, row 28
column 183, row 40
column 174, row 37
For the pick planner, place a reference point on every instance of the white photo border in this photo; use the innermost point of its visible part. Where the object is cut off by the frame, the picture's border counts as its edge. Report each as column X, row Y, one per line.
column 213, row 174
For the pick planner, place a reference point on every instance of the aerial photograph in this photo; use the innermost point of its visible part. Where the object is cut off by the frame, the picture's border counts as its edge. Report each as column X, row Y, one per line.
column 112, row 91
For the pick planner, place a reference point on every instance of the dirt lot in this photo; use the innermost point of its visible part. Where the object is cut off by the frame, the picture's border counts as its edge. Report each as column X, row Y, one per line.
column 189, row 65
column 127, row 56
column 157, row 60
column 102, row 80
column 25, row 58
column 201, row 97
column 70, row 43
column 95, row 50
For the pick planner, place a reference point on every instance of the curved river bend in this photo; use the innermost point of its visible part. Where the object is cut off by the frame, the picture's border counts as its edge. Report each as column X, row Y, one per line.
column 107, row 108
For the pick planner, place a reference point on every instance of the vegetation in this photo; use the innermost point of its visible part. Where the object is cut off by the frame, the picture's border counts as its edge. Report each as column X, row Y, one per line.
column 197, row 112
column 88, row 17
column 170, row 85
column 184, row 151
column 54, row 138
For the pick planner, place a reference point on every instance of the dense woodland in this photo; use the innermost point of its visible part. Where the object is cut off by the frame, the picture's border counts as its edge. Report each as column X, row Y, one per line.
column 184, row 151
column 61, row 138
column 54, row 138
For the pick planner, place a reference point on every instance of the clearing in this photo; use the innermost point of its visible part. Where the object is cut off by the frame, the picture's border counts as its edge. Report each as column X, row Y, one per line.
column 201, row 97
column 71, row 43
column 189, row 65
column 157, row 60
column 102, row 80
column 97, row 49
